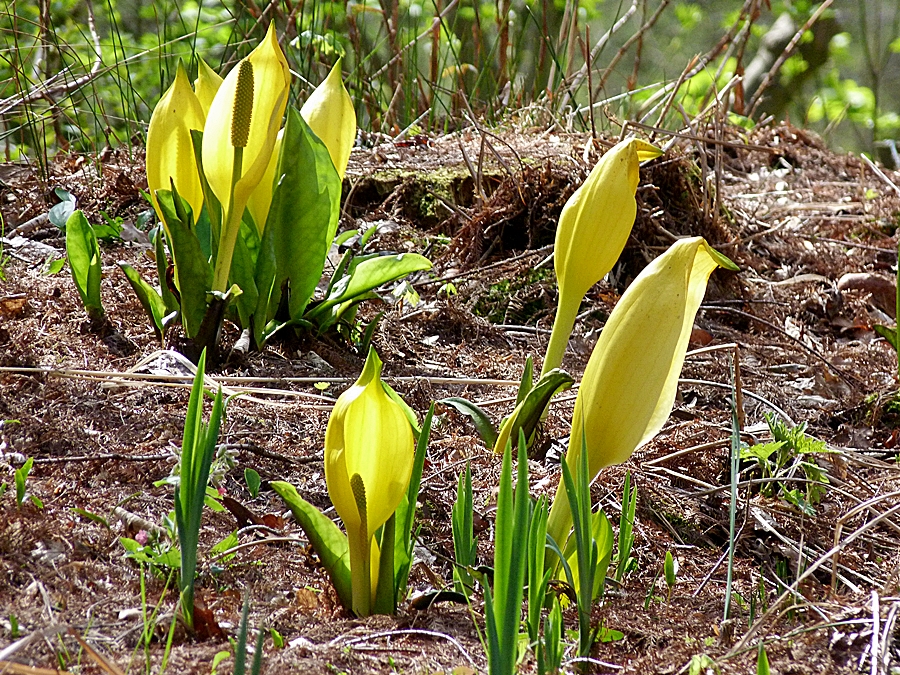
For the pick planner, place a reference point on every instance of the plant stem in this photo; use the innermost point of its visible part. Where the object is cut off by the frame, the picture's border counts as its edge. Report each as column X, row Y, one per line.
column 566, row 313
column 230, row 228
column 360, row 571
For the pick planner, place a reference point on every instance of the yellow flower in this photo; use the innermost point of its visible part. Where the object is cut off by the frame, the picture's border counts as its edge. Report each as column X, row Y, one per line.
column 593, row 228
column 206, row 85
column 329, row 113
column 170, row 153
column 369, row 450
column 630, row 382
column 239, row 138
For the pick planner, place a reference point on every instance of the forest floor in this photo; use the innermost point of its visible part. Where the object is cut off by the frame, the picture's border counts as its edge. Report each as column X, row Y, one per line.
column 814, row 234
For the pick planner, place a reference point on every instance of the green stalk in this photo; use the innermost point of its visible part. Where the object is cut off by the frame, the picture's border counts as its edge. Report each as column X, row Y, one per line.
column 566, row 313
column 232, row 226
column 360, row 554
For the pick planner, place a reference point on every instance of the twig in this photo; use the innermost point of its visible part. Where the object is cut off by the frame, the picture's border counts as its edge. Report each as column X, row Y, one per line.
column 779, row 62
column 49, row 89
column 847, row 377
column 792, row 590
column 106, row 456
column 406, row 631
column 881, row 174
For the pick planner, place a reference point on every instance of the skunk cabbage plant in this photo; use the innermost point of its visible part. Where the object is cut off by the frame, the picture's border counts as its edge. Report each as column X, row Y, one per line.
column 372, row 469
column 593, row 228
column 630, row 382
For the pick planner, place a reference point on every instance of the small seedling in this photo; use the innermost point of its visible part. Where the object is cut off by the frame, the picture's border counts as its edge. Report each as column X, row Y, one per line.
column 624, row 562
column 762, row 661
column 253, row 482
column 670, row 568
column 465, row 548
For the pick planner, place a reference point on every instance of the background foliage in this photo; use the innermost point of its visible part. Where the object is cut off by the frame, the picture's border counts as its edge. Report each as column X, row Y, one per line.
column 77, row 76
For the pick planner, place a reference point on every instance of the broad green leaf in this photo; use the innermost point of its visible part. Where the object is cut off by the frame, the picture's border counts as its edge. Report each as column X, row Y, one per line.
column 368, row 275
column 326, row 538
column 84, row 261
column 303, row 216
column 243, row 271
column 193, row 273
column 483, row 424
column 150, row 300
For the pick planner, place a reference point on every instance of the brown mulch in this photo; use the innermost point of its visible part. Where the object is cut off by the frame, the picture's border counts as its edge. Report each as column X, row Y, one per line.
column 796, row 217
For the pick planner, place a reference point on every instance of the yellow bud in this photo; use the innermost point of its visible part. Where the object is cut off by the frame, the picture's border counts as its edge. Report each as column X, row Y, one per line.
column 593, row 228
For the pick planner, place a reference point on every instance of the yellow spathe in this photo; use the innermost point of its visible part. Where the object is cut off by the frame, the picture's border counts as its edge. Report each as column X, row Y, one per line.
column 329, row 113
column 170, row 153
column 206, row 85
column 593, row 228
column 369, row 451
column 271, row 82
column 630, row 382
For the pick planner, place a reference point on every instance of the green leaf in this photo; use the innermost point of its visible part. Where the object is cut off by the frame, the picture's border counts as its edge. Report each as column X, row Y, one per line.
column 483, row 424
column 368, row 275
column 326, row 538
column 762, row 661
column 193, row 273
column 243, row 272
column 151, row 301
column 197, row 450
column 100, row 520
column 162, row 266
column 529, row 412
column 224, row 544
column 21, row 476
column 303, row 217
column 253, row 482
column 527, row 382
column 406, row 510
column 84, row 261
column 54, row 266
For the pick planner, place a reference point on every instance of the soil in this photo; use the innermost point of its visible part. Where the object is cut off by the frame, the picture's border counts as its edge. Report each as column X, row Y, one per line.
column 815, row 236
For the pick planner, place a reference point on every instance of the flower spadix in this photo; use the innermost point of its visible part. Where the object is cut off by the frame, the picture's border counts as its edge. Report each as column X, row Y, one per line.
column 329, row 113
column 170, row 153
column 369, row 451
column 239, row 137
column 593, row 228
column 630, row 382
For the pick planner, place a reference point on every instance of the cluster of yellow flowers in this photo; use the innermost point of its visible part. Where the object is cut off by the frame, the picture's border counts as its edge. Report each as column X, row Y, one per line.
column 241, row 118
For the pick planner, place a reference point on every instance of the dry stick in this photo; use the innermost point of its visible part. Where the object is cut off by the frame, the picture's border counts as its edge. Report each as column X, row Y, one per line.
column 106, row 375
column 881, row 174
column 485, row 268
column 792, row 590
column 773, row 71
column 406, row 631
column 630, row 41
column 49, row 89
column 703, row 139
column 271, row 454
column 847, row 377
column 103, row 457
column 876, row 629
column 709, row 56
column 839, row 527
